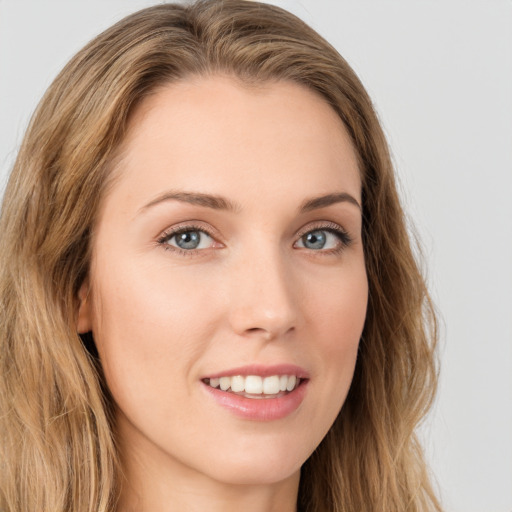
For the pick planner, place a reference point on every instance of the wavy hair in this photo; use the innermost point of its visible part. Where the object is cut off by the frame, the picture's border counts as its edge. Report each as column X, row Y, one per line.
column 57, row 442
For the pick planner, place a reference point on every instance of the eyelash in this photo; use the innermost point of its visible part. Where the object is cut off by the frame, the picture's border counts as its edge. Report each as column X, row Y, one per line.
column 344, row 238
column 167, row 235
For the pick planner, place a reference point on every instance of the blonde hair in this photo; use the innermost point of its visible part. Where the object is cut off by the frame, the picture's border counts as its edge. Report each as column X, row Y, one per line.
column 56, row 428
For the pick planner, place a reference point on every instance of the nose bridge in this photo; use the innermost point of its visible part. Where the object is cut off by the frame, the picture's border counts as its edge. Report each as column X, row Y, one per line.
column 263, row 299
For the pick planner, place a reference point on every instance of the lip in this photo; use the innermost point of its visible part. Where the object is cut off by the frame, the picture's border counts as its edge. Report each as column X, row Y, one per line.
column 261, row 370
column 264, row 409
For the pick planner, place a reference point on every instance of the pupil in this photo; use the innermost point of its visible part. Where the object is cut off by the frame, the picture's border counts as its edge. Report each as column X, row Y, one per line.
column 188, row 240
column 315, row 240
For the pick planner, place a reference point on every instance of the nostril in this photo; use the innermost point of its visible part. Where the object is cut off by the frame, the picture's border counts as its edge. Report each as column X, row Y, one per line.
column 267, row 334
column 259, row 331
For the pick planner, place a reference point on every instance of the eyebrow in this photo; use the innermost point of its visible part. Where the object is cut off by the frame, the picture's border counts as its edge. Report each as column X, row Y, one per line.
column 324, row 201
column 221, row 203
column 196, row 198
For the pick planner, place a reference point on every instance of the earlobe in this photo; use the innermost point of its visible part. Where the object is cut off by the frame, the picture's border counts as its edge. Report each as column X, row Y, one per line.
column 84, row 320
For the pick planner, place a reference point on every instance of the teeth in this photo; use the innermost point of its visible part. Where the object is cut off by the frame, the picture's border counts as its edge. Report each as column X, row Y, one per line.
column 271, row 385
column 225, row 383
column 237, row 383
column 291, row 382
column 255, row 385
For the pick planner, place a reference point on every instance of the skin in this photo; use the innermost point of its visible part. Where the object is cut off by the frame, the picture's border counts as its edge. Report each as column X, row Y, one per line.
column 255, row 291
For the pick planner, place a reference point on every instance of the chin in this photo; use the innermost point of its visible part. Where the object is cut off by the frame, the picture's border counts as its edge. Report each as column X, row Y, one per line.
column 258, row 465
column 254, row 474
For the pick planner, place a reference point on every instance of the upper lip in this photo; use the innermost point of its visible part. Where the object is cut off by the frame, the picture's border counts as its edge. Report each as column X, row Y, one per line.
column 261, row 370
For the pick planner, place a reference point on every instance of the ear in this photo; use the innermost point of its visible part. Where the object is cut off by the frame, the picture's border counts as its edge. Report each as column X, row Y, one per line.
column 84, row 320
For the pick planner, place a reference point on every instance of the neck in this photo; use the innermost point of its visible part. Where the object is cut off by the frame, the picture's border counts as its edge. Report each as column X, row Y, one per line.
column 197, row 499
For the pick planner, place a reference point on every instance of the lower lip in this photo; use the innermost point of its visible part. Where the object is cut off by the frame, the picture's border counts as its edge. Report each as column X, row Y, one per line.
column 260, row 409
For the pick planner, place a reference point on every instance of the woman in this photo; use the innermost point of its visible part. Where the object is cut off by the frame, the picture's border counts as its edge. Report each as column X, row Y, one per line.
column 214, row 304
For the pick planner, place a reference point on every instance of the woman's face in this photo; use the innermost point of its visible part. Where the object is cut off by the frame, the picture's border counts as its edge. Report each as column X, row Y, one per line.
column 228, row 254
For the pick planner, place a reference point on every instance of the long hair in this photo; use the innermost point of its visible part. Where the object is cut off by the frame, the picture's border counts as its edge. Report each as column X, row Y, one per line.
column 57, row 447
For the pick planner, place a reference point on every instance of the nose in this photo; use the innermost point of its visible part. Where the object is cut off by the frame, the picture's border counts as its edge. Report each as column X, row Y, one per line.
column 263, row 296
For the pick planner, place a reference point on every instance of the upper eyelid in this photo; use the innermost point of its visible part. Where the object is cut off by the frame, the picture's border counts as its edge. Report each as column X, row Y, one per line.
column 322, row 225
column 213, row 233
column 334, row 228
column 169, row 233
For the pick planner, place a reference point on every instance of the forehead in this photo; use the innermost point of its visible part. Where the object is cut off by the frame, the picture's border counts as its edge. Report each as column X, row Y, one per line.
column 213, row 133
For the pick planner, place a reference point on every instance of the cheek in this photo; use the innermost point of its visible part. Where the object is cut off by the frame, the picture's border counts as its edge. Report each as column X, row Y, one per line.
column 137, row 297
column 339, row 316
column 338, row 307
column 146, row 330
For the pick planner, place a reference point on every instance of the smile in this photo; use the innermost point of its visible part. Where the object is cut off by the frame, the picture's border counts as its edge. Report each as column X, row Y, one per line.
column 255, row 386
column 258, row 392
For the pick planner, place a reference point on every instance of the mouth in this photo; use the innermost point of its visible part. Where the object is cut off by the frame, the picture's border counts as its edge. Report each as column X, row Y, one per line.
column 259, row 392
column 256, row 386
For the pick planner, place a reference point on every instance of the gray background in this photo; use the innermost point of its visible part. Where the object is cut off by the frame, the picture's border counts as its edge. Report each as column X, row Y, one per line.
column 440, row 73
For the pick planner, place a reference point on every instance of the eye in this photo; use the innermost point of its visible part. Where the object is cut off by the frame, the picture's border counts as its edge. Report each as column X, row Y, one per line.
column 187, row 239
column 329, row 239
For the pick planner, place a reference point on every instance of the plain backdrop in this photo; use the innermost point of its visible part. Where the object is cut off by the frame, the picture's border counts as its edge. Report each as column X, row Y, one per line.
column 440, row 74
